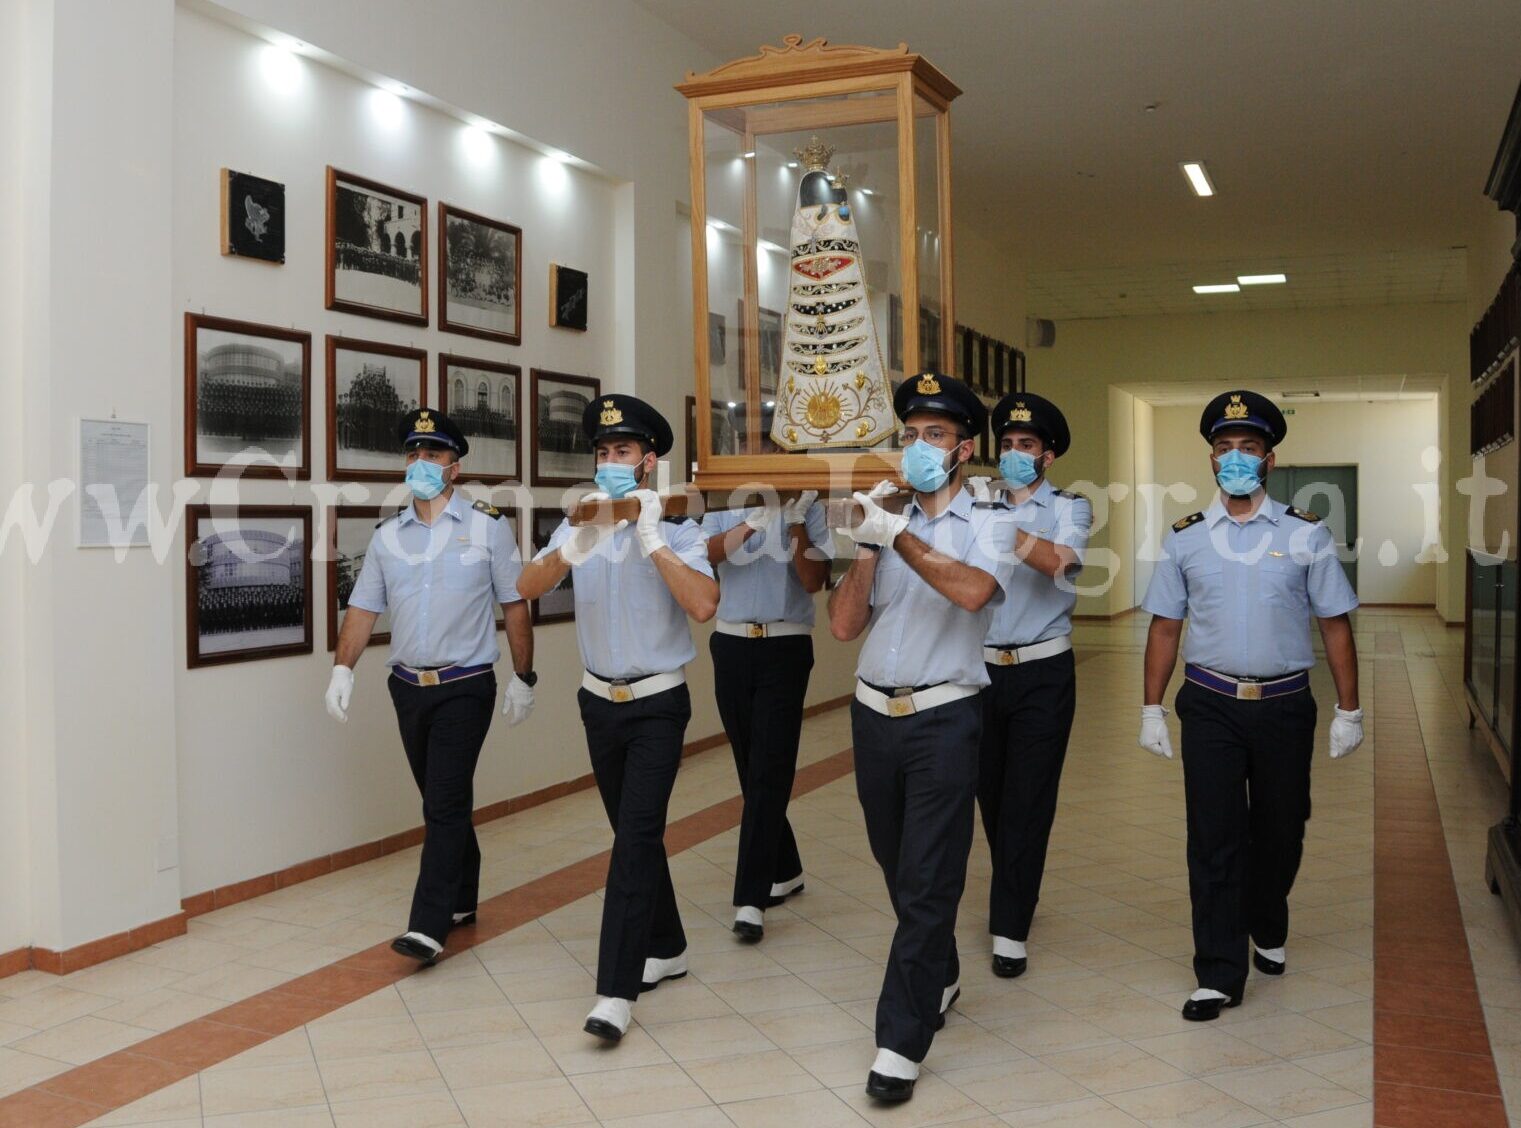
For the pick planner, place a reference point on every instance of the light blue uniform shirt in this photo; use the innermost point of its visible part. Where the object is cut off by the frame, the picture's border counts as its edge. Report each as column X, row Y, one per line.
column 1038, row 606
column 757, row 583
column 1248, row 589
column 439, row 582
column 628, row 623
column 917, row 635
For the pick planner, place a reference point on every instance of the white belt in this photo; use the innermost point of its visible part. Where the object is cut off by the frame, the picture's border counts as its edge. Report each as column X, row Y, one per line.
column 622, row 691
column 911, row 703
column 761, row 630
column 1014, row 655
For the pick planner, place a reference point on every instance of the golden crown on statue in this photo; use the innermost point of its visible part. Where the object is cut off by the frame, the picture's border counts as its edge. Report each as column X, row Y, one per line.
column 815, row 155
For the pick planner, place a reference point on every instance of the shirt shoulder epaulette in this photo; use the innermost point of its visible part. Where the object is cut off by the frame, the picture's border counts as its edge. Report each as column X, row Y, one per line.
column 488, row 509
column 1302, row 514
column 1070, row 495
column 1184, row 522
column 680, row 519
column 390, row 517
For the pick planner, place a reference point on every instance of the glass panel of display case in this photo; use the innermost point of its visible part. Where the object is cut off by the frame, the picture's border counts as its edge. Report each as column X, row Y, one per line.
column 1509, row 577
column 1485, row 626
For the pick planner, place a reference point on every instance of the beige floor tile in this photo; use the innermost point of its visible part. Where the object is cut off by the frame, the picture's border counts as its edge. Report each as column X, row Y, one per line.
column 1091, row 1112
column 316, row 1117
column 1292, row 1035
column 266, row 1087
column 551, row 1103
column 819, row 1109
column 744, row 1077
column 180, row 1101
column 477, row 1026
column 1004, row 1087
column 934, row 1102
column 418, row 1110
column 52, row 1006
column 701, row 1038
column 1283, row 1090
column 802, row 1027
column 20, row 1070
column 473, row 1066
column 640, row 1091
column 161, row 1009
column 1352, row 1116
column 1112, row 1068
column 1186, row 1104
column 580, row 1052
column 364, row 1037
column 82, row 1039
column 385, row 1075
column 1201, row 1051
column 783, row 992
column 287, row 1049
column 1052, row 1033
column 1351, row 1069
column 708, row 1117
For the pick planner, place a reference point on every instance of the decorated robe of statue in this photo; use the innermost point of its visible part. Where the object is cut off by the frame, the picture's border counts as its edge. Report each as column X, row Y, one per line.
column 833, row 389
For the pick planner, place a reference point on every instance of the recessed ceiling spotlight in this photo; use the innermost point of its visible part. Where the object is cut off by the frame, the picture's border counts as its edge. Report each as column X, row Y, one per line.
column 1262, row 279
column 750, row 156
column 792, row 164
column 1218, row 288
column 1198, row 177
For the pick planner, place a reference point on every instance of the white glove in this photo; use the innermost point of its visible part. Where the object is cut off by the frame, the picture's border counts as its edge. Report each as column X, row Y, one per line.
column 585, row 539
column 981, row 489
column 341, row 688
column 1346, row 732
column 517, row 702
column 758, row 518
column 795, row 512
column 878, row 526
column 1154, row 736
column 650, row 511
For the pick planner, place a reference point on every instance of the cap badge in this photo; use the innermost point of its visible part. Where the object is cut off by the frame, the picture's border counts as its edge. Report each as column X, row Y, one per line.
column 1235, row 409
column 422, row 424
column 928, row 385
column 1020, row 413
column 610, row 416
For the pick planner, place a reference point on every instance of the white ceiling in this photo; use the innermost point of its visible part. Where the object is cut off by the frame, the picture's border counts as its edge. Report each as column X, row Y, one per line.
column 1196, row 393
column 1335, row 132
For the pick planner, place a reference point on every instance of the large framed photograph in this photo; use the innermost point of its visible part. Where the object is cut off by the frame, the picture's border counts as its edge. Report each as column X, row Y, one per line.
column 253, row 217
column 772, row 328
column 248, row 584
column 349, row 530
column 377, row 249
column 567, row 297
column 558, row 604
column 485, row 399
column 480, row 276
column 562, row 454
column 247, row 399
column 370, row 385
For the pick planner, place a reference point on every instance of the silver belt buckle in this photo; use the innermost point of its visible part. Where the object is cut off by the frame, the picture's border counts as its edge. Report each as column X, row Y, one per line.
column 755, row 630
column 619, row 692
column 1248, row 691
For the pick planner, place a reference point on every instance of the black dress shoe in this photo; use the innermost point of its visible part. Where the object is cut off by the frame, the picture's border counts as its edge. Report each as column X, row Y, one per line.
column 749, row 931
column 1009, row 967
column 602, row 1029
column 1267, row 966
column 406, row 946
column 1207, row 1010
column 884, row 1088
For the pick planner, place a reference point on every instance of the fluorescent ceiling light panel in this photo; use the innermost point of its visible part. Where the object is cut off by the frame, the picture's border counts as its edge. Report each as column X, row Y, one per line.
column 1221, row 288
column 1262, row 279
column 1198, row 177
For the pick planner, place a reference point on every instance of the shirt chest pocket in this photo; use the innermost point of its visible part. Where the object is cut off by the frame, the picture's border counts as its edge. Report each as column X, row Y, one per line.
column 1206, row 581
column 892, row 573
column 1282, row 581
column 641, row 585
column 466, row 568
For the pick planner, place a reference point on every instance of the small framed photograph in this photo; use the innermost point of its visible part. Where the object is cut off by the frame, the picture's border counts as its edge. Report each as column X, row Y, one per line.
column 485, row 399
column 349, row 530
column 377, row 249
column 247, row 399
column 558, row 604
column 248, row 582
column 929, row 340
column 895, row 332
column 562, row 454
column 567, row 297
column 772, row 329
column 480, row 276
column 958, row 360
column 717, row 338
column 983, row 379
column 253, row 217
column 370, row 385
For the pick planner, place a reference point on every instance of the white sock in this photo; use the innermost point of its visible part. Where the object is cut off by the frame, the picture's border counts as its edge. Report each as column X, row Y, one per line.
column 889, row 1064
column 426, row 941
column 1206, row 993
column 1275, row 954
column 1009, row 949
column 749, row 914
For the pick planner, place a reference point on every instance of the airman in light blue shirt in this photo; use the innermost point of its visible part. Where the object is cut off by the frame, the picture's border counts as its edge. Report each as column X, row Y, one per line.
column 1038, row 607
column 757, row 584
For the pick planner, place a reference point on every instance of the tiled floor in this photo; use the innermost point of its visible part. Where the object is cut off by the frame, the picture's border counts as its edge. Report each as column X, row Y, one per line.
column 781, row 1033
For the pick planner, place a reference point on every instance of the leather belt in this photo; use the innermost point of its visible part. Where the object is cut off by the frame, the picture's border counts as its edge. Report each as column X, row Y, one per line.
column 905, row 702
column 1247, row 689
column 1014, row 655
column 437, row 675
column 778, row 629
column 621, row 691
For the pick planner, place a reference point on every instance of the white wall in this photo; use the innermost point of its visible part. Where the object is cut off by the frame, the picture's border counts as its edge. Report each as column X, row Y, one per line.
column 1384, row 439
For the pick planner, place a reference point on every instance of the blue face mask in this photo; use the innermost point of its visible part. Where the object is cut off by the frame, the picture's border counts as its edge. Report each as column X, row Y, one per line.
column 425, row 479
column 1017, row 467
column 616, row 480
column 1240, row 474
column 924, row 466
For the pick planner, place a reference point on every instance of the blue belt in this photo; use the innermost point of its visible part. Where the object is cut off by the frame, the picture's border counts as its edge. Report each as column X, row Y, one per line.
column 1247, row 689
column 414, row 675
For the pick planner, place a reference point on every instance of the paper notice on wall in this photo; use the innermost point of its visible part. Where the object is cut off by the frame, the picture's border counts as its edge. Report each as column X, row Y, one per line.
column 113, row 484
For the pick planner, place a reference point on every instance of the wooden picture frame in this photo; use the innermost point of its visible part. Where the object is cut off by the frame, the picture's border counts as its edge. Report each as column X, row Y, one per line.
column 253, row 217
column 543, row 520
column 770, row 339
column 364, row 272
column 568, row 297
column 240, row 579
column 468, row 315
column 370, row 418
column 550, row 410
column 198, row 462
column 334, row 514
column 483, row 424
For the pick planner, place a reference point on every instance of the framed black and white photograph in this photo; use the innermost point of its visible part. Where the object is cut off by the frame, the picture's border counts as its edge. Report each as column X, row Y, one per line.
column 248, row 583
column 718, row 343
column 562, row 454
column 253, row 217
column 377, row 249
column 349, row 531
column 369, row 386
column 485, row 399
column 558, row 604
column 567, row 297
column 771, row 330
column 929, row 340
column 480, row 276
column 247, row 399
column 895, row 332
